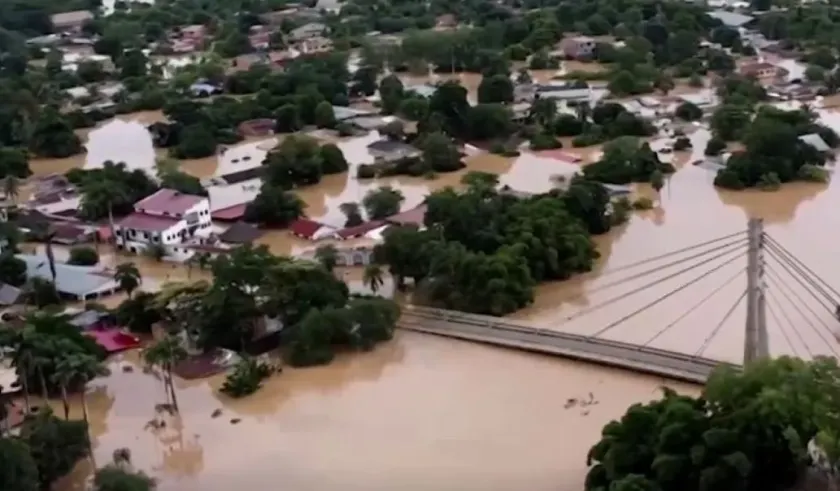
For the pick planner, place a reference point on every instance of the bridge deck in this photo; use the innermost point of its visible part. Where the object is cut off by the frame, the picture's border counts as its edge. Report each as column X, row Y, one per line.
column 492, row 330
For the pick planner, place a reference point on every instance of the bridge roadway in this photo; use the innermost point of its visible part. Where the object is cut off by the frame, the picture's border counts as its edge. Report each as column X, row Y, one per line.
column 499, row 332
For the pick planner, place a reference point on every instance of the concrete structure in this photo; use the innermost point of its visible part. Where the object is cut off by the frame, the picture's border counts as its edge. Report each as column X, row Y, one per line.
column 578, row 47
column 71, row 21
column 167, row 218
column 493, row 330
column 731, row 19
column 307, row 31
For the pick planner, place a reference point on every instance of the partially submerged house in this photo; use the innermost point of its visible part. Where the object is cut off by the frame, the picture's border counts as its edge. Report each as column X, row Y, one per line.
column 311, row 230
column 72, row 282
column 167, row 219
column 414, row 216
column 71, row 22
column 816, row 142
column 387, row 151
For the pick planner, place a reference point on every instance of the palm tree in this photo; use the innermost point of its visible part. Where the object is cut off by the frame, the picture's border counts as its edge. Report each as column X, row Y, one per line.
column 98, row 198
column 327, row 255
column 128, row 277
column 80, row 368
column 166, row 353
column 11, row 186
column 21, row 344
column 373, row 277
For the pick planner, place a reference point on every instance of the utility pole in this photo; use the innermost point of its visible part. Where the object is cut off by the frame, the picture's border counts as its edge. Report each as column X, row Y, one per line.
column 755, row 339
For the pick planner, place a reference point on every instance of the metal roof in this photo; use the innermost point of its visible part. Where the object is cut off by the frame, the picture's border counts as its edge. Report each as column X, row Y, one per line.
column 69, row 279
column 731, row 19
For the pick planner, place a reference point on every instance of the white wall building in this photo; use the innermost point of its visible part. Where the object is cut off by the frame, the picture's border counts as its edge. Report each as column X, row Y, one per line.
column 167, row 218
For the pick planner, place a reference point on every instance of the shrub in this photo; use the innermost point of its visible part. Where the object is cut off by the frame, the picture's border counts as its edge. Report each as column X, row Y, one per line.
column 643, row 203
column 246, row 378
column 812, row 173
column 715, row 146
column 83, row 256
column 682, row 143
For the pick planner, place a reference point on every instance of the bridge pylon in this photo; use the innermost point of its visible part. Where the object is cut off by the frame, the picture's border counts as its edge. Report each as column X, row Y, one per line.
column 756, row 345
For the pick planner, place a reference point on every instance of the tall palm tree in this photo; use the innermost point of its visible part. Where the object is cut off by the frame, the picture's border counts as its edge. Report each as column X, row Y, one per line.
column 98, row 198
column 11, row 187
column 165, row 354
column 128, row 277
column 79, row 369
column 373, row 277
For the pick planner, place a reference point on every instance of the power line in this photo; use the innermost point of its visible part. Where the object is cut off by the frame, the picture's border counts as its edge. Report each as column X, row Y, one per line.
column 669, row 254
column 720, row 325
column 772, row 296
column 659, row 269
column 769, row 306
column 780, row 256
column 694, row 307
column 802, row 265
column 648, row 285
column 669, row 294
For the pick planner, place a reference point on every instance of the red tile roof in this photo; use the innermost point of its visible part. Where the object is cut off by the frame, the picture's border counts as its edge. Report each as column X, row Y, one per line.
column 149, row 223
column 414, row 216
column 234, row 212
column 305, row 228
column 359, row 230
column 168, row 201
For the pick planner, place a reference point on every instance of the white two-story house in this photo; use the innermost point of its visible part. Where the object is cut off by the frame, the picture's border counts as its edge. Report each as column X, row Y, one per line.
column 167, row 218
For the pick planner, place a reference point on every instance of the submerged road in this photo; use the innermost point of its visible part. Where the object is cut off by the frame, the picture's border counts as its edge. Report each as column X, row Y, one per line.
column 499, row 332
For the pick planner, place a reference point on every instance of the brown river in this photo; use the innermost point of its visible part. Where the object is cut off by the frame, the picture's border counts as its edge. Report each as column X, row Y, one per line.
column 423, row 413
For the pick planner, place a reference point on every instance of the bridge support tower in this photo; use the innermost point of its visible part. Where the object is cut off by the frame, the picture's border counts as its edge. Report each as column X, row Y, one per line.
column 756, row 344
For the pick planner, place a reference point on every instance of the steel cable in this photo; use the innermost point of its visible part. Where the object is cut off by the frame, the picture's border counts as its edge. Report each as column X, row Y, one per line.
column 802, row 265
column 778, row 321
column 720, row 325
column 796, row 307
column 648, row 285
column 694, row 307
column 668, row 295
column 798, row 278
column 777, row 254
column 659, row 269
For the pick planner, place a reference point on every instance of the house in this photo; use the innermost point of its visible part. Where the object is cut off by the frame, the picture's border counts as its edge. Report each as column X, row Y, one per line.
column 9, row 295
column 762, row 70
column 415, row 216
column 343, row 113
column 57, row 202
column 307, row 31
column 347, row 256
column 359, row 230
column 240, row 233
column 578, row 47
column 69, row 234
column 239, row 176
column 72, row 282
column 423, row 90
column 274, row 59
column 166, row 218
column 256, row 127
column 315, row 45
column 731, row 19
column 310, row 229
column 71, row 21
column 230, row 213
column 391, row 151
column 816, row 141
column 446, row 21
column 204, row 89
column 92, row 319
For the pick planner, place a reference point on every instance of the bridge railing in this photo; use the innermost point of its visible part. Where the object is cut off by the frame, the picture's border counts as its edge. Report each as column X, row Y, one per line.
column 505, row 325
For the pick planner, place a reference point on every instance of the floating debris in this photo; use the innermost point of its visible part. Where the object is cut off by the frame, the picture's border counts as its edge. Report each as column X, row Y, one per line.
column 235, row 421
column 216, row 413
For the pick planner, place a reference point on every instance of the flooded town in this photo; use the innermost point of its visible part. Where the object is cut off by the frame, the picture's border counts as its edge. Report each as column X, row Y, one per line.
column 213, row 217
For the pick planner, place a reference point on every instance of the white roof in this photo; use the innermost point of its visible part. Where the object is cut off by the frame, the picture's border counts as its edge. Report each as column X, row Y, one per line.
column 816, row 141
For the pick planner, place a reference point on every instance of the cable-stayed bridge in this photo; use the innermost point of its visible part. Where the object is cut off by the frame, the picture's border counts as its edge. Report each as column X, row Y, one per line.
column 745, row 284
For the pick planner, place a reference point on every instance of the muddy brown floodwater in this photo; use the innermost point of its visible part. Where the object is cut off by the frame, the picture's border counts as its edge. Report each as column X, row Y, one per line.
column 424, row 413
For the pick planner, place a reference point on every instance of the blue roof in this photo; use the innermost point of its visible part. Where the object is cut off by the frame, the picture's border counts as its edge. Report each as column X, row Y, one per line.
column 69, row 279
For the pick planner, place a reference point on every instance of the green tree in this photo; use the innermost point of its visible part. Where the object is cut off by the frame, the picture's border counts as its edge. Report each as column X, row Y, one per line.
column 657, row 181
column 730, row 121
column 372, row 277
column 332, row 159
column 297, row 161
column 391, row 91
column 382, row 202
column 18, row 470
column 324, row 115
column 44, row 434
column 327, row 255
column 13, row 164
column 440, row 154
column 117, row 478
column 495, row 89
column 128, row 277
column 287, row 119
column 83, row 256
column 352, row 213
column 80, row 368
column 274, row 206
column 12, row 269
column 165, row 354
column 688, row 111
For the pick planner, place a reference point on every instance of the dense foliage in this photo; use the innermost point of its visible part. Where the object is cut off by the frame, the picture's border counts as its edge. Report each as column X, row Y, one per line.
column 747, row 431
column 492, row 268
column 246, row 377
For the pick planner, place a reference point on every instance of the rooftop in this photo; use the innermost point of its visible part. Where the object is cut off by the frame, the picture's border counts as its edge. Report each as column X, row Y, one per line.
column 731, row 19
column 69, row 279
column 306, row 228
column 242, row 175
column 234, row 212
column 148, row 223
column 414, row 216
column 74, row 17
column 815, row 141
column 359, row 230
column 168, row 201
column 240, row 233
column 388, row 146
